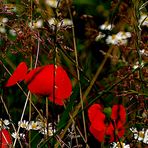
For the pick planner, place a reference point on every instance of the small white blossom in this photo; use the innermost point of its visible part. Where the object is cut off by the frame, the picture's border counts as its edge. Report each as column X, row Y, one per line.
column 43, row 129
column 50, row 131
column 20, row 135
column 123, row 35
column 2, row 29
column 140, row 135
column 52, row 3
column 4, row 20
column 143, row 52
column 6, row 122
column 24, row 124
column 36, row 24
column 14, row 135
column 111, row 39
column 119, row 144
column 106, row 26
column 118, row 39
column 65, row 22
column 39, row 23
column 34, row 125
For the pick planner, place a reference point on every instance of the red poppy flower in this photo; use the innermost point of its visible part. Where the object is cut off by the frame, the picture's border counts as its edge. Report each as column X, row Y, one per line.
column 18, row 75
column 5, row 139
column 49, row 80
column 99, row 128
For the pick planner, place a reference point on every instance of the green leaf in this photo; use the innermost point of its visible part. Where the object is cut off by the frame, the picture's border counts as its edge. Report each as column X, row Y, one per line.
column 35, row 138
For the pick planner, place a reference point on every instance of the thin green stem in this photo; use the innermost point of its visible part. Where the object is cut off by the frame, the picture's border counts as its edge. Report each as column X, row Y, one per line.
column 78, row 73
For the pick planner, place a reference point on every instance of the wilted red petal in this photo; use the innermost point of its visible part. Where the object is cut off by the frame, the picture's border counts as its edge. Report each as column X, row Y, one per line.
column 118, row 113
column 18, row 75
column 5, row 139
column 95, row 111
column 41, row 81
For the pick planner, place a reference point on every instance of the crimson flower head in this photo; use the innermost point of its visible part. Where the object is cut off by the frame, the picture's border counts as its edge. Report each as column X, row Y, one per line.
column 5, row 139
column 100, row 128
column 49, row 80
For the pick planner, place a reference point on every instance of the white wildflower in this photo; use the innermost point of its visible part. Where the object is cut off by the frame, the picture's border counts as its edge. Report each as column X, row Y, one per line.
column 118, row 39
column 111, row 39
column 43, row 130
column 6, row 122
column 34, row 125
column 4, row 20
column 143, row 52
column 19, row 136
column 119, row 144
column 65, row 22
column 140, row 135
column 2, row 29
column 36, row 24
column 50, row 131
column 52, row 3
column 14, row 135
column 123, row 35
column 24, row 124
column 52, row 21
column 106, row 26
column 39, row 23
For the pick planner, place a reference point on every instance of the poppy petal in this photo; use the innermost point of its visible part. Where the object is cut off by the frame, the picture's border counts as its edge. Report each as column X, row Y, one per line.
column 120, row 128
column 63, row 86
column 41, row 82
column 5, row 138
column 99, row 135
column 18, row 75
column 96, row 110
column 115, row 132
column 118, row 112
column 97, row 117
